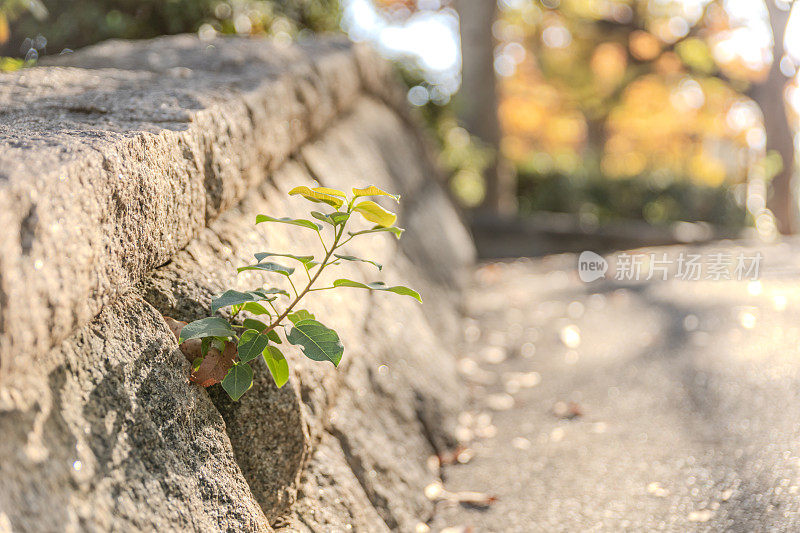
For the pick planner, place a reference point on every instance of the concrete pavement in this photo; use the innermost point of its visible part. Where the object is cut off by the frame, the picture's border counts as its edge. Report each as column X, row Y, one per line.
column 631, row 405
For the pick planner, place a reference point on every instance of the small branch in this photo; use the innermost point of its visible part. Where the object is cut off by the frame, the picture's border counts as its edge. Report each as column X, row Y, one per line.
column 292, row 284
column 350, row 238
column 328, row 253
column 322, row 242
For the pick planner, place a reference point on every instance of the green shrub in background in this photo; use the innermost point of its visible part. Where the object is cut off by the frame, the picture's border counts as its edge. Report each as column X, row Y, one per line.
column 655, row 200
column 461, row 155
column 60, row 24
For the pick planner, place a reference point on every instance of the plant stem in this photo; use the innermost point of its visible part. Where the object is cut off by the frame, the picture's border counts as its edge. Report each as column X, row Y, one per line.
column 292, row 284
column 307, row 288
column 323, row 242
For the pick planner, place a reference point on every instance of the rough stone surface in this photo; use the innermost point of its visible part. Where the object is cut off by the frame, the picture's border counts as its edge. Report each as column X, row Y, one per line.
column 130, row 183
column 329, row 479
column 109, row 169
column 389, row 402
column 107, row 434
column 365, row 146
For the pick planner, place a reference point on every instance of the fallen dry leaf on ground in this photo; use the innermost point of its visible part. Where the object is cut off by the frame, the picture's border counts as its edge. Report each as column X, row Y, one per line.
column 461, row 455
column 457, row 529
column 475, row 499
column 436, row 492
column 568, row 410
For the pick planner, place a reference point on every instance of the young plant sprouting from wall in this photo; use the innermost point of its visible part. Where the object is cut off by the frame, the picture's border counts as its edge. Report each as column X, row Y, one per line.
column 222, row 349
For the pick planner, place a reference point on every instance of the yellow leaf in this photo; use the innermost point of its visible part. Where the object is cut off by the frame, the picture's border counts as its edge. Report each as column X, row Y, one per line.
column 329, row 191
column 10, row 64
column 375, row 213
column 318, row 197
column 374, row 191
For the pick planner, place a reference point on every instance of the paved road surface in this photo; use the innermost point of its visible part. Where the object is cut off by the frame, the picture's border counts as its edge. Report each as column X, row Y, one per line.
column 631, row 406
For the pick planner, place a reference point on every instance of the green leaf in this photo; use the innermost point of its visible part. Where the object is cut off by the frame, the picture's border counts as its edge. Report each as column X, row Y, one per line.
column 218, row 343
column 231, row 297
column 374, row 191
column 273, row 336
column 375, row 213
column 238, row 380
column 268, row 267
column 277, row 364
column 271, row 290
column 196, row 363
column 299, row 315
column 304, row 259
column 251, row 344
column 319, row 342
column 294, row 221
column 351, row 258
column 397, row 232
column 339, row 217
column 323, row 217
column 334, row 219
column 378, row 286
column 252, row 323
column 256, row 309
column 316, row 196
column 206, row 327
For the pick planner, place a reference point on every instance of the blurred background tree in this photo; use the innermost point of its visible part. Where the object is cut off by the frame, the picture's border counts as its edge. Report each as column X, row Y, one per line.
column 478, row 102
column 661, row 110
column 651, row 91
column 60, row 24
column 769, row 93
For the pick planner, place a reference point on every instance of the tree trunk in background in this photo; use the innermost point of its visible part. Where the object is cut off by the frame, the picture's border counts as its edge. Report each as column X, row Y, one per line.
column 595, row 143
column 478, row 98
column 769, row 95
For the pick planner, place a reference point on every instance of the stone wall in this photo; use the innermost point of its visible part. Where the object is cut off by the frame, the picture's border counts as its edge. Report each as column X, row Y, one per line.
column 130, row 177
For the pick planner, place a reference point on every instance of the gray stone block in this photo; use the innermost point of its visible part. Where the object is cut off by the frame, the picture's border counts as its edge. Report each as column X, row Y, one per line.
column 130, row 177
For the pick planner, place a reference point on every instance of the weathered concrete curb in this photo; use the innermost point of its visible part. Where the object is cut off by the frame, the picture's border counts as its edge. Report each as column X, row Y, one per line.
column 130, row 175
